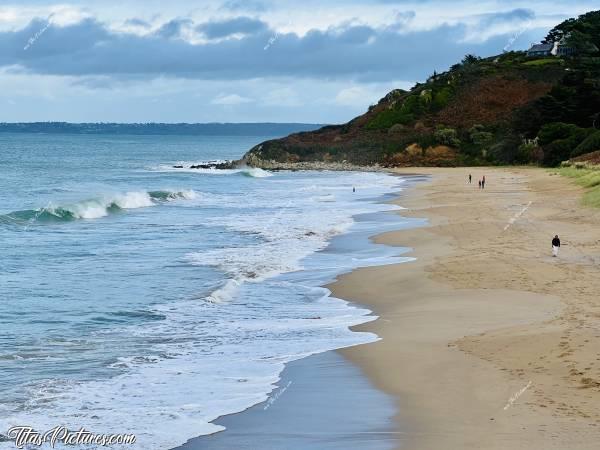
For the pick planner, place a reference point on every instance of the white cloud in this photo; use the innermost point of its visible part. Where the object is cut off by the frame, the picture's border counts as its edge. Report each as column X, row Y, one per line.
column 230, row 100
column 8, row 15
column 353, row 96
column 13, row 17
column 282, row 97
column 363, row 95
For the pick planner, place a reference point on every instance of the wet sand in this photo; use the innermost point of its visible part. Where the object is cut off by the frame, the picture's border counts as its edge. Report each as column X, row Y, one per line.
column 322, row 402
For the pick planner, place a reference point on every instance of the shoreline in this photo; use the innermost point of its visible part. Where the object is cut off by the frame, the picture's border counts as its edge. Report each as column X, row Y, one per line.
column 312, row 407
column 486, row 341
column 334, row 400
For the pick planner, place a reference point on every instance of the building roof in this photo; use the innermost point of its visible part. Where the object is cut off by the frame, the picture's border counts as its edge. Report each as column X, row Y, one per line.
column 541, row 48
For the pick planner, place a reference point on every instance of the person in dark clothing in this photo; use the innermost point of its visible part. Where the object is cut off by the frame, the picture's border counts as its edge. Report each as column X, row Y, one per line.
column 483, row 182
column 555, row 246
column 479, row 184
column 469, row 178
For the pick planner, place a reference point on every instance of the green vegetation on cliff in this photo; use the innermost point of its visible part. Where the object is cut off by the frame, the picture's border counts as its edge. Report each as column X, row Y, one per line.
column 507, row 109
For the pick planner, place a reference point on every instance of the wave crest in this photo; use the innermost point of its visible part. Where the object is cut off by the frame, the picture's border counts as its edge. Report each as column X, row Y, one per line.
column 96, row 208
column 256, row 172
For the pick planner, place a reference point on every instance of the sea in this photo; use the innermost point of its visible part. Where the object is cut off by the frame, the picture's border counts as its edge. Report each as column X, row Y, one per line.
column 139, row 298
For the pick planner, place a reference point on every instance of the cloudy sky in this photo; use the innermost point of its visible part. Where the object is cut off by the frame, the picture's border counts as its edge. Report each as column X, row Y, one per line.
column 243, row 60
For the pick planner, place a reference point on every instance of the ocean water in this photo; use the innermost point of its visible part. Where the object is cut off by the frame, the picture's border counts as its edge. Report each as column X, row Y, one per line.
column 142, row 299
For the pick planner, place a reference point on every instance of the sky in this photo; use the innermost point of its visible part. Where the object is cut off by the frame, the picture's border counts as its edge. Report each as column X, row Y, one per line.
column 243, row 60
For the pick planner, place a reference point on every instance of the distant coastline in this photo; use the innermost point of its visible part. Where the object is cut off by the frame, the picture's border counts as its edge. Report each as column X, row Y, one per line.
column 192, row 129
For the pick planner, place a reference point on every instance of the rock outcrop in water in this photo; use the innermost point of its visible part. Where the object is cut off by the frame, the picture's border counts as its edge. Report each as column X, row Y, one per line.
column 215, row 165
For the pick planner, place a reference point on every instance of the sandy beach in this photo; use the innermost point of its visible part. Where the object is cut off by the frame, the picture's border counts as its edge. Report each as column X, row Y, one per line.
column 487, row 341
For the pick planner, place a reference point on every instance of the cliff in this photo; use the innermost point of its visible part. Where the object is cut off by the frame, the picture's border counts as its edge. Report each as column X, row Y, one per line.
column 505, row 109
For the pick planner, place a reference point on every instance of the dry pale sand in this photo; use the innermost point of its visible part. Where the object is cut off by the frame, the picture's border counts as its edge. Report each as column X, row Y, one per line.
column 487, row 341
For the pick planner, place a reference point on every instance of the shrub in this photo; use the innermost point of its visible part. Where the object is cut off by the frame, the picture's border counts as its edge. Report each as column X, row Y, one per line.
column 426, row 96
column 396, row 129
column 506, row 150
column 557, row 130
column 447, row 136
column 559, row 140
column 557, row 152
column 589, row 144
column 470, row 59
column 426, row 140
column 404, row 113
column 441, row 98
column 482, row 139
column 530, row 153
column 389, row 117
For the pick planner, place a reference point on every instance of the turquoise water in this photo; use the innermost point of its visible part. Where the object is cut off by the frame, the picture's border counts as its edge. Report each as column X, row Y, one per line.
column 139, row 298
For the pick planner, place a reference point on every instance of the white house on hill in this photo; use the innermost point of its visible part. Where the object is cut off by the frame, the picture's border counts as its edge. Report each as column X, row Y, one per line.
column 541, row 50
column 560, row 48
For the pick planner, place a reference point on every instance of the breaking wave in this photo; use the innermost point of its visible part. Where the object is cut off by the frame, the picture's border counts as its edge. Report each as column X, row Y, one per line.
column 255, row 172
column 96, row 208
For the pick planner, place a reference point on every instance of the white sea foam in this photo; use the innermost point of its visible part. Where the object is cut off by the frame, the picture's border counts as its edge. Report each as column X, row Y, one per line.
column 188, row 194
column 167, row 401
column 88, row 210
column 325, row 198
column 132, row 200
column 256, row 172
column 226, row 292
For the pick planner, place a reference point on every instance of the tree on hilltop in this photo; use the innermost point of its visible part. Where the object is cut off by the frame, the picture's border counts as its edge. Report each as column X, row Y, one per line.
column 582, row 33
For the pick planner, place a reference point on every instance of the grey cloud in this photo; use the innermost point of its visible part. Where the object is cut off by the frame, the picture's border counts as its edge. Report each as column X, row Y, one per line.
column 173, row 28
column 106, row 81
column 137, row 23
column 237, row 25
column 50, row 40
column 402, row 19
column 350, row 52
column 356, row 35
column 405, row 16
column 244, row 5
column 515, row 15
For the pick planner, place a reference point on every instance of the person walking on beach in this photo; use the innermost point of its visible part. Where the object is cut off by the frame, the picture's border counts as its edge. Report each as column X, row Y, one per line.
column 483, row 182
column 469, row 178
column 479, row 184
column 555, row 246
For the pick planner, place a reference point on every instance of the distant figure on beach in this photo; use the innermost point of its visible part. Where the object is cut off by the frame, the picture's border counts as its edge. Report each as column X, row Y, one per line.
column 469, row 178
column 555, row 246
column 483, row 182
column 353, row 189
column 479, row 184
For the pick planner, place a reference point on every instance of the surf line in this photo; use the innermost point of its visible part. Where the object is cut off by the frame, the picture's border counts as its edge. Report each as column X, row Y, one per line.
column 516, row 396
column 516, row 216
column 276, row 396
